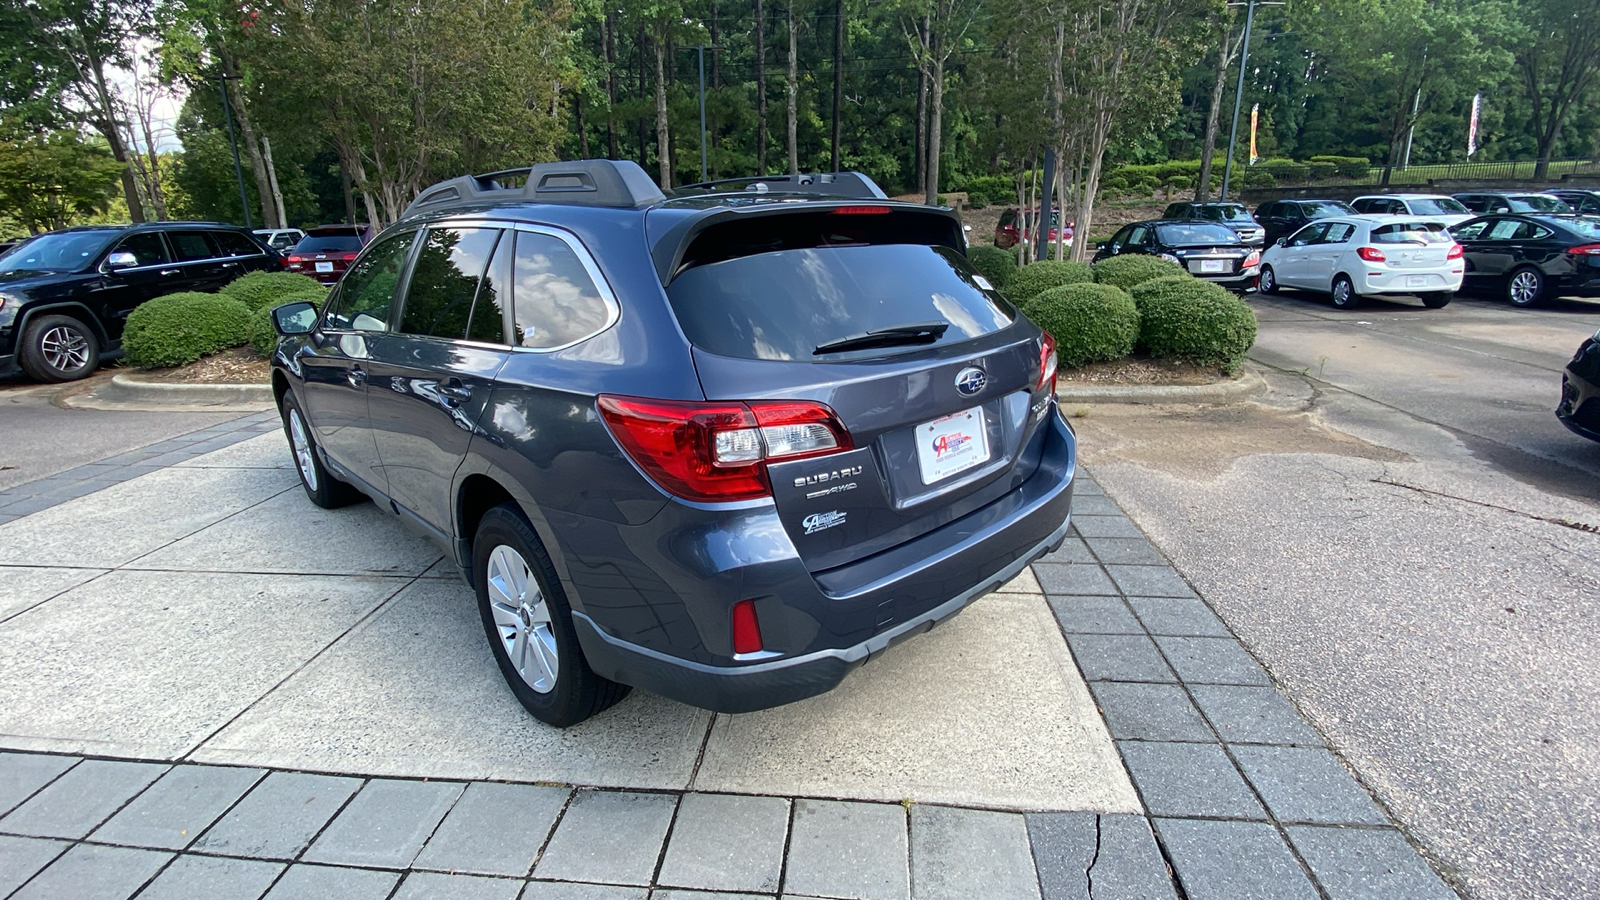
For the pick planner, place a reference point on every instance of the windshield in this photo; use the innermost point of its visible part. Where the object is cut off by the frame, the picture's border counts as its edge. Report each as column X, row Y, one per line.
column 61, row 252
column 1197, row 233
column 1321, row 209
column 1538, row 203
column 786, row 304
column 341, row 244
column 1438, row 206
column 1224, row 213
column 1411, row 233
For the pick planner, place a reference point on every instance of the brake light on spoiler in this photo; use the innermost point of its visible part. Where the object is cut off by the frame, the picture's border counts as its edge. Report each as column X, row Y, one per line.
column 717, row 451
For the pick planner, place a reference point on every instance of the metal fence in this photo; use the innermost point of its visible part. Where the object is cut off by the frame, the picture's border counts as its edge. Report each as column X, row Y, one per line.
column 1507, row 170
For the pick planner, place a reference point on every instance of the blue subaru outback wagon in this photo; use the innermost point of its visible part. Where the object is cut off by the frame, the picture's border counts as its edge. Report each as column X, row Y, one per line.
column 724, row 446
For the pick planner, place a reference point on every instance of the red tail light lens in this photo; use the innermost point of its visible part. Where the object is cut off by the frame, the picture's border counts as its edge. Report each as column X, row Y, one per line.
column 1456, row 251
column 1047, row 362
column 1585, row 250
column 746, row 628
column 717, row 451
column 350, row 257
column 1371, row 254
column 295, row 260
column 1254, row 259
column 861, row 211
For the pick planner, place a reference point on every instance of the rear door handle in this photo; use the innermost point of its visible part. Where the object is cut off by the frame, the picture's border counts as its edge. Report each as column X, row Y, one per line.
column 356, row 376
column 167, row 272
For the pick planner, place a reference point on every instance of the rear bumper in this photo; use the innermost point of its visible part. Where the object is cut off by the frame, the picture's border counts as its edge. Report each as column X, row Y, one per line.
column 1400, row 282
column 1243, row 279
column 1580, row 393
column 922, row 583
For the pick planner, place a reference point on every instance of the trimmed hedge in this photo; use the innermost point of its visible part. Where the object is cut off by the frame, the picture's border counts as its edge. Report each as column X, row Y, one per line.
column 263, row 289
column 263, row 337
column 1035, row 278
column 180, row 328
column 1196, row 320
column 1090, row 322
column 993, row 263
column 1132, row 269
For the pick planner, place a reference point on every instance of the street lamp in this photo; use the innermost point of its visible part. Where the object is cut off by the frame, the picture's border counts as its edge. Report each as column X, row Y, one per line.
column 238, row 172
column 1238, row 94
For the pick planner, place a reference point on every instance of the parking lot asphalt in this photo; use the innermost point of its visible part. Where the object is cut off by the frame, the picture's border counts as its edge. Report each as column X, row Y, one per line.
column 1403, row 534
column 207, row 684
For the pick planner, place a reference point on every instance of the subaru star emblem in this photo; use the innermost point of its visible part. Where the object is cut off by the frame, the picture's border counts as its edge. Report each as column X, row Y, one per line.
column 971, row 380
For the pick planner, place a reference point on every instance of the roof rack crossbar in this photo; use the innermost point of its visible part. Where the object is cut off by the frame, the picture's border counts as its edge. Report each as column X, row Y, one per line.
column 618, row 184
column 852, row 185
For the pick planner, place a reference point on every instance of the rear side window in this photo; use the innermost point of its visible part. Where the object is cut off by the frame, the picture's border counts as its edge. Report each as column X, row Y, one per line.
column 147, row 247
column 235, row 244
column 192, row 245
column 445, row 280
column 786, row 304
column 555, row 300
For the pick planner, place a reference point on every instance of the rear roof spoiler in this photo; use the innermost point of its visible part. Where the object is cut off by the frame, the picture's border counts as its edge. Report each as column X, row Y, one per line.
column 617, row 184
column 851, row 185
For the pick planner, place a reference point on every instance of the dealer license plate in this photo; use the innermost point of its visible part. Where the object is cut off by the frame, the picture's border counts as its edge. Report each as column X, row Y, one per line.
column 952, row 444
column 325, row 267
column 1213, row 265
column 1417, row 281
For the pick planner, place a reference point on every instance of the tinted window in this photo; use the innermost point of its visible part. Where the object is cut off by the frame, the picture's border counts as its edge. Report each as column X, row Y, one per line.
column 1008, row 218
column 1411, row 233
column 1307, row 235
column 445, row 279
column 1198, row 233
column 784, row 305
column 1587, row 229
column 148, row 247
column 1538, row 203
column 1471, row 231
column 367, row 292
column 56, row 252
column 1321, row 209
column 488, row 311
column 192, row 245
column 1472, row 202
column 554, row 300
column 1438, row 206
column 235, row 244
column 339, row 244
column 1139, row 236
column 1224, row 213
column 1175, row 211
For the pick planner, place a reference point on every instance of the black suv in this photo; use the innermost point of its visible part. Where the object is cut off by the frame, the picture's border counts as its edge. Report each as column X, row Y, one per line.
column 64, row 295
column 725, row 447
column 1232, row 215
column 1281, row 218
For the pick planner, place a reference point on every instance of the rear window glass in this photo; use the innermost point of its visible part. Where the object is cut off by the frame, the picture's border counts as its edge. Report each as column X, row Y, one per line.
column 1224, row 213
column 1411, row 233
column 1198, row 233
column 1588, row 227
column 339, row 244
column 1538, row 203
column 1321, row 209
column 786, row 304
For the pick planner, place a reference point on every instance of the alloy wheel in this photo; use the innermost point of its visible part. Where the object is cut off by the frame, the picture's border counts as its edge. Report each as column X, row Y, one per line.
column 1524, row 288
column 522, row 619
column 66, row 349
column 302, row 449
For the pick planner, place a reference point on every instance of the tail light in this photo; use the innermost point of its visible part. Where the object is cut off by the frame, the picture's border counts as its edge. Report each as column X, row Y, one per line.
column 296, row 260
column 1371, row 254
column 1456, row 251
column 717, row 451
column 1585, row 250
column 746, row 628
column 1047, row 362
column 861, row 211
column 1254, row 259
column 350, row 257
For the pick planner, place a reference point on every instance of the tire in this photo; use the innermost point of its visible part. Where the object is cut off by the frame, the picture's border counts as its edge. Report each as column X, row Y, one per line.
column 1269, row 281
column 57, row 349
column 324, row 490
column 529, row 624
column 1344, row 293
column 1525, row 287
column 1438, row 299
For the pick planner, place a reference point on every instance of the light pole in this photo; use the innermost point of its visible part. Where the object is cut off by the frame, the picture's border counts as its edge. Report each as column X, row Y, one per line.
column 1238, row 94
column 702, row 50
column 238, row 172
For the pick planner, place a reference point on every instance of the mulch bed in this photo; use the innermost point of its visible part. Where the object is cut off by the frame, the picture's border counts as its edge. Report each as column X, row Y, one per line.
column 240, row 365
column 1144, row 371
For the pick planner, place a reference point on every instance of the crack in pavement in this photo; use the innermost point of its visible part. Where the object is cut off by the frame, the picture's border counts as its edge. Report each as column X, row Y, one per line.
column 1564, row 523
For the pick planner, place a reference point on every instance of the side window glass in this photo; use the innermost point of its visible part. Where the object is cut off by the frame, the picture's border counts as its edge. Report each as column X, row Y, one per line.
column 191, row 245
column 488, row 311
column 1007, row 219
column 367, row 291
column 1532, row 232
column 235, row 244
column 1504, row 230
column 148, row 247
column 1470, row 232
column 1136, row 237
column 1338, row 233
column 555, row 300
column 444, row 280
column 1308, row 235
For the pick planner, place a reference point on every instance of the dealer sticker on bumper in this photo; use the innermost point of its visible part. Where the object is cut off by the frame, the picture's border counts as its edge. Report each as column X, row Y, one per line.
column 952, row 444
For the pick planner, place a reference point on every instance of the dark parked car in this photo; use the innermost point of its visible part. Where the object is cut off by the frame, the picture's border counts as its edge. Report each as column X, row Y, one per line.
column 326, row 251
column 1281, row 218
column 65, row 295
column 1231, row 215
column 665, row 440
column 1531, row 257
column 1515, row 203
column 1583, row 202
column 1207, row 250
column 1580, row 391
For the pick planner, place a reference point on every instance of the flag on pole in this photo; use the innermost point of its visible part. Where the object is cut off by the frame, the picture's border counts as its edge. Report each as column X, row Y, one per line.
column 1472, row 125
column 1255, row 116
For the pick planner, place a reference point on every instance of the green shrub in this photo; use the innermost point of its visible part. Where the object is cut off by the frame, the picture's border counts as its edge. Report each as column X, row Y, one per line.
column 993, row 263
column 1036, row 278
column 180, row 328
column 263, row 289
column 263, row 337
column 1132, row 269
column 1255, row 178
column 1321, row 170
column 1196, row 320
column 1286, row 169
column 1346, row 166
column 1090, row 322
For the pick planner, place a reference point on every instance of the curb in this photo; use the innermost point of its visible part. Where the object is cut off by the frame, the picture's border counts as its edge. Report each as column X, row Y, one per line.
column 1242, row 388
column 127, row 391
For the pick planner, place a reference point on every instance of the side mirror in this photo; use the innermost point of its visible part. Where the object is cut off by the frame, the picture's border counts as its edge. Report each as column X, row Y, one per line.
column 294, row 318
column 1281, row 242
column 121, row 259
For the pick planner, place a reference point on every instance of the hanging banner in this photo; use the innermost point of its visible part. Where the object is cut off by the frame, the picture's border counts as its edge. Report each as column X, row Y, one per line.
column 1472, row 125
column 1255, row 117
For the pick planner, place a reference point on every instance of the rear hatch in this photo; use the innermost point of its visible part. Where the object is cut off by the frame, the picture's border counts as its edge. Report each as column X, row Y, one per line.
column 935, row 378
column 1413, row 245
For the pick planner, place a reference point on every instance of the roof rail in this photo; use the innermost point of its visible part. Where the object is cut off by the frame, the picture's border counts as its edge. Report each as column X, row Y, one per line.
column 853, row 185
column 620, row 184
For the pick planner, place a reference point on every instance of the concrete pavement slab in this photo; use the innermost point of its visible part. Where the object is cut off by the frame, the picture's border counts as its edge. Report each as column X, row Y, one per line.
column 986, row 709
column 425, row 661
column 1072, row 550
column 185, row 654
column 852, row 851
column 1253, row 715
column 1149, row 712
column 289, row 534
column 1128, row 865
column 1105, row 526
column 1178, row 616
column 385, row 825
column 267, row 451
column 304, row 882
column 1064, row 846
column 437, row 886
column 178, row 807
column 82, row 798
column 613, row 837
column 494, row 829
column 24, row 586
column 1074, row 578
column 1367, row 864
column 91, row 872
column 21, row 857
column 1149, row 581
column 569, row 890
column 279, row 818
column 1204, row 660
column 1119, row 657
column 166, row 505
column 213, row 878
column 957, row 854
column 1189, row 780
column 21, row 774
column 727, row 842
column 1306, row 784
column 1233, row 861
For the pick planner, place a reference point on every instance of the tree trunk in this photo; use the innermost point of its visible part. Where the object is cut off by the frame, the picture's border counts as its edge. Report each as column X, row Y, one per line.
column 272, row 180
column 716, row 49
column 761, row 91
column 1219, row 86
column 663, row 138
column 348, row 190
column 608, row 37
column 106, row 123
column 583, row 133
column 838, row 80
column 921, row 139
column 935, row 120
column 794, row 98
column 644, row 129
column 247, row 136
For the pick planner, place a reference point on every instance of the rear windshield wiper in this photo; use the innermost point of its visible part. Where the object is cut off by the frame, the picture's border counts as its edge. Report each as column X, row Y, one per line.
column 920, row 333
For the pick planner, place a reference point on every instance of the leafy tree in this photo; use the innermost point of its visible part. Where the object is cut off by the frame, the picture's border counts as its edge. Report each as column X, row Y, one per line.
column 1559, row 63
column 48, row 180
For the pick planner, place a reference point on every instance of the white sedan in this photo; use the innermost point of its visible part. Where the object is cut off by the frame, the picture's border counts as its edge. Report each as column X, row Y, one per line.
column 1350, row 257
